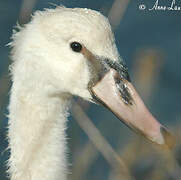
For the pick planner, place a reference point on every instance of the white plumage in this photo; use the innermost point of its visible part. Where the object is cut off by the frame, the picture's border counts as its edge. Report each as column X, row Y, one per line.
column 45, row 73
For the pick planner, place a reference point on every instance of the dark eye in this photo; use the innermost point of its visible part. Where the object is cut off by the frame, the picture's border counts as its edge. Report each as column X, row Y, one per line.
column 77, row 47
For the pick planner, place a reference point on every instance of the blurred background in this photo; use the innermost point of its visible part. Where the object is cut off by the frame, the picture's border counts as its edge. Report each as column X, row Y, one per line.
column 150, row 44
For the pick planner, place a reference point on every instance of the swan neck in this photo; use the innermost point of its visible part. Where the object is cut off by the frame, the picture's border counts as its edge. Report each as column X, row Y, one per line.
column 36, row 135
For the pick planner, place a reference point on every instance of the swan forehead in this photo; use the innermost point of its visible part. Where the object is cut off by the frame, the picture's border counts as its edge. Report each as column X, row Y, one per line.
column 76, row 24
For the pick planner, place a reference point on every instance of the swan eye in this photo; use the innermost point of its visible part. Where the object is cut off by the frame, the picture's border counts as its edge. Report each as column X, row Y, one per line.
column 77, row 47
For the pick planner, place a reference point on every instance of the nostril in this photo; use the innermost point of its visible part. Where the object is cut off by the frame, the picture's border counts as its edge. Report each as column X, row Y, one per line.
column 117, row 80
column 124, row 91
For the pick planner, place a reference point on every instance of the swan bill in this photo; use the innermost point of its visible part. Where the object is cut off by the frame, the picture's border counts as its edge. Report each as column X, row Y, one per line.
column 120, row 97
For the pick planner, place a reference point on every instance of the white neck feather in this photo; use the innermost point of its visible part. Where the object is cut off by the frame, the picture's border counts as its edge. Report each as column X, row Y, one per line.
column 36, row 134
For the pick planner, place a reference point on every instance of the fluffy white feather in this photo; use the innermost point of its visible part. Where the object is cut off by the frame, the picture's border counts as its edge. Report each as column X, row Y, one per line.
column 45, row 73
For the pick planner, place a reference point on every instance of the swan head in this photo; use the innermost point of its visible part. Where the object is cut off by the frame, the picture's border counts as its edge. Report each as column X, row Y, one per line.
column 73, row 51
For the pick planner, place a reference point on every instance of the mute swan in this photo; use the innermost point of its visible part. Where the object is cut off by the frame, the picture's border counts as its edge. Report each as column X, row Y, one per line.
column 60, row 53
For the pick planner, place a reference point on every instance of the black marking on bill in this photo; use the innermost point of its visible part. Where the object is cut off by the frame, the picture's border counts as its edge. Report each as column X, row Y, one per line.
column 99, row 66
column 124, row 91
column 120, row 67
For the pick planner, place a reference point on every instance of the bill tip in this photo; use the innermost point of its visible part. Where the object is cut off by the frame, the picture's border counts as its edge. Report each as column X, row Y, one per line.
column 169, row 139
